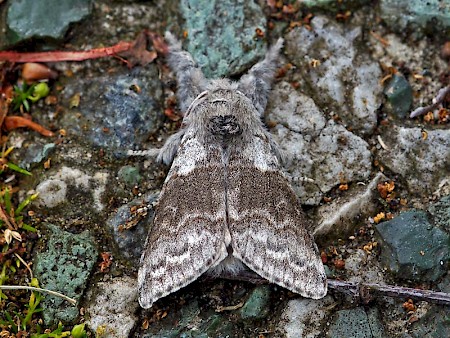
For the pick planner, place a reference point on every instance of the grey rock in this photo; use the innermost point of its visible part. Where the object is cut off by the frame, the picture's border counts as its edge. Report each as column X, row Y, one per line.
column 346, row 80
column 111, row 113
column 413, row 248
column 399, row 95
column 356, row 323
column 441, row 213
column 218, row 326
column 340, row 215
column 361, row 267
column 36, row 153
column 64, row 265
column 423, row 163
column 112, row 306
column 305, row 317
column 434, row 324
column 189, row 312
column 131, row 241
column 315, row 148
column 416, row 15
column 376, row 326
column 222, row 34
column 25, row 18
column 54, row 190
column 355, row 262
column 257, row 305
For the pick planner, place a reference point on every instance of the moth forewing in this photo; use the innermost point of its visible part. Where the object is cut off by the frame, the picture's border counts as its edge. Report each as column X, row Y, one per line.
column 268, row 228
column 187, row 237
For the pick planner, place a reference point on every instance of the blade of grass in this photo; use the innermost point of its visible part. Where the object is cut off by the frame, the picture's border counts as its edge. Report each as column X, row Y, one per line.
column 24, row 203
column 7, row 201
column 28, row 227
column 15, row 167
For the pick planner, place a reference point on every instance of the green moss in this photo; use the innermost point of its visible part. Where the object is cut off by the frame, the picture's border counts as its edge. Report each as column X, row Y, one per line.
column 64, row 266
column 257, row 305
column 221, row 34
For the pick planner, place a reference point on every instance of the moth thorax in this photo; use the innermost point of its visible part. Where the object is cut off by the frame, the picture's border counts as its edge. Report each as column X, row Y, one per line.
column 224, row 125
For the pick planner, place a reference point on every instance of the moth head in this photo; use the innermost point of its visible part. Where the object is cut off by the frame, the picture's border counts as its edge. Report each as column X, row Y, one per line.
column 255, row 85
column 222, row 111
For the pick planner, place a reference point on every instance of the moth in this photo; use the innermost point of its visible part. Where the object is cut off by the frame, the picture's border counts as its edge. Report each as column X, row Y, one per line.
column 226, row 206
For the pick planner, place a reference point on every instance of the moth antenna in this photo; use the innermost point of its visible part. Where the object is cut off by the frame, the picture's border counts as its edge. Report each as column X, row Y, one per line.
column 257, row 82
column 190, row 78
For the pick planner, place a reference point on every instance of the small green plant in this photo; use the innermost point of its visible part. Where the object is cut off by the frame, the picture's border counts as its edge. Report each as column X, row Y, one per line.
column 6, row 164
column 15, row 317
column 18, row 322
column 77, row 331
column 26, row 93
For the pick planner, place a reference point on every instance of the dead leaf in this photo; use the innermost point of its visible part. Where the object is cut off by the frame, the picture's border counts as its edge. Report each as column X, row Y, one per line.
column 74, row 101
column 14, row 122
column 10, row 234
column 33, row 71
column 138, row 54
column 158, row 43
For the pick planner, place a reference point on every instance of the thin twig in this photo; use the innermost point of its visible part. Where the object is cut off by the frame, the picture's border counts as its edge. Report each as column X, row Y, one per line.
column 440, row 97
column 362, row 289
column 31, row 288
column 25, row 263
column 57, row 56
column 135, row 52
column 230, row 307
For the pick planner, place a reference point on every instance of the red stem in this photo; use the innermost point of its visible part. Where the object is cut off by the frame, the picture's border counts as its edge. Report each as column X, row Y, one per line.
column 55, row 56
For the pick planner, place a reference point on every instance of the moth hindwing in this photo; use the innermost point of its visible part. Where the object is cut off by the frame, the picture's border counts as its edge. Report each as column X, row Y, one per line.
column 225, row 205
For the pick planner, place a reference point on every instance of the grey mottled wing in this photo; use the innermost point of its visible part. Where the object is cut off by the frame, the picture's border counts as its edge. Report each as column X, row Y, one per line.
column 187, row 237
column 267, row 225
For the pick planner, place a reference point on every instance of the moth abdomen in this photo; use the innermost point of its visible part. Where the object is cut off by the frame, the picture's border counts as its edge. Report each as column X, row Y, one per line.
column 224, row 125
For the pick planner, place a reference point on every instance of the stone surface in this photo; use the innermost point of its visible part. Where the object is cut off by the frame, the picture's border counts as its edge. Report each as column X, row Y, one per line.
column 131, row 241
column 361, row 267
column 112, row 307
column 183, row 323
column 313, row 127
column 341, row 214
column 413, row 248
column 423, row 163
column 218, row 326
column 316, row 149
column 64, row 265
column 25, row 18
column 129, row 175
column 346, row 82
column 35, row 154
column 305, row 317
column 441, row 213
column 420, row 56
column 222, row 34
column 54, row 190
column 334, row 5
column 431, row 15
column 399, row 95
column 356, row 323
column 112, row 114
column 434, row 324
column 257, row 305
